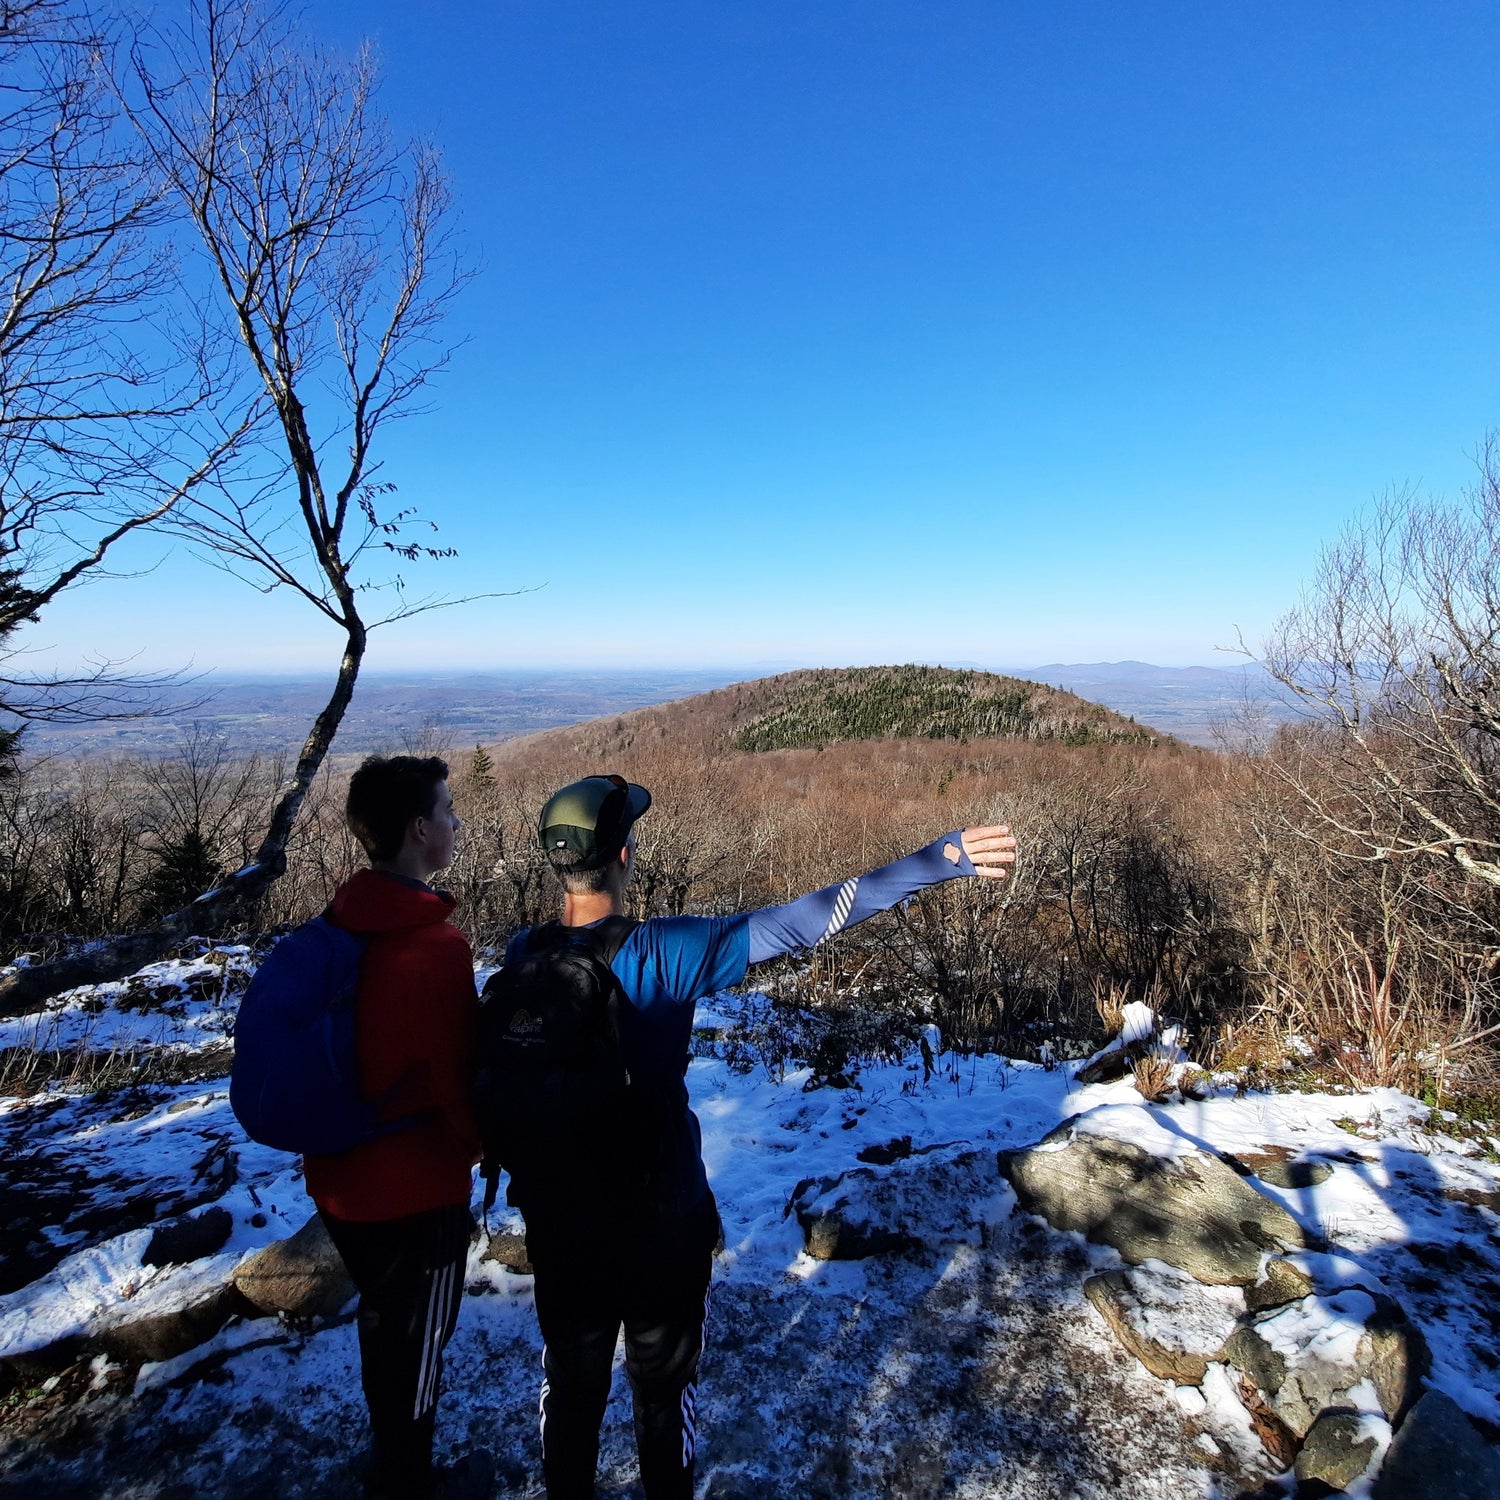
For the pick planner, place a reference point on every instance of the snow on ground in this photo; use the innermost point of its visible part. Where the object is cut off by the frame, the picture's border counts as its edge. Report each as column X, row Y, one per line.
column 971, row 1368
column 185, row 1002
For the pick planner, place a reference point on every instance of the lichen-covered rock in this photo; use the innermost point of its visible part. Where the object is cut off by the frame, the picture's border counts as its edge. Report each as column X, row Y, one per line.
column 920, row 1201
column 1339, row 1448
column 1192, row 1211
column 507, row 1248
column 1289, row 1174
column 301, row 1277
column 1172, row 1323
column 1438, row 1455
column 1283, row 1282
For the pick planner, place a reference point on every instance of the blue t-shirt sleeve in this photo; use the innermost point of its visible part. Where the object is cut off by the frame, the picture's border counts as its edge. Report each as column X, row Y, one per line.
column 681, row 959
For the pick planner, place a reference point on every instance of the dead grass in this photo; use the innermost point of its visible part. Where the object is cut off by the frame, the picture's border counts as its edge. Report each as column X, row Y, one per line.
column 1153, row 1078
column 1109, row 1002
column 25, row 1071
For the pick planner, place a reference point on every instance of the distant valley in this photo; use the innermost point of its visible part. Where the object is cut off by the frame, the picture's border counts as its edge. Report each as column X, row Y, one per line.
column 459, row 709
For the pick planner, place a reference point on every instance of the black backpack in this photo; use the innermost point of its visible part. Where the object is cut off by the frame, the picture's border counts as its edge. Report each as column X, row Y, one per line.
column 552, row 1093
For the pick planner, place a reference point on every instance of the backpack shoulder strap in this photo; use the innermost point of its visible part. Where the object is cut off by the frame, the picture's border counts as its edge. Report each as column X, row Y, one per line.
column 607, row 937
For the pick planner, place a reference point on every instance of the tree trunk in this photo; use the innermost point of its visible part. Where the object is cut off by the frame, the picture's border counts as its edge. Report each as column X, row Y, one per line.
column 111, row 958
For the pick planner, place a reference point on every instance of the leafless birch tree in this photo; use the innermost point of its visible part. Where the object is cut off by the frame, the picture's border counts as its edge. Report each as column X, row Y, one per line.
column 108, row 409
column 325, row 247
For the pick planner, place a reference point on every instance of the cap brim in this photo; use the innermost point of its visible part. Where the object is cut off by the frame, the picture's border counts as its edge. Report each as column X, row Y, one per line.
column 637, row 800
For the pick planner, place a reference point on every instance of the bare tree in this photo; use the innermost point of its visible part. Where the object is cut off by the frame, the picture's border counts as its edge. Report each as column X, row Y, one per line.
column 325, row 246
column 1396, row 647
column 108, row 414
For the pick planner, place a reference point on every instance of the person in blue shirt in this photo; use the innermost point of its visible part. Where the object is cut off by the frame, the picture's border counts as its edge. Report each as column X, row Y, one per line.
column 644, row 1263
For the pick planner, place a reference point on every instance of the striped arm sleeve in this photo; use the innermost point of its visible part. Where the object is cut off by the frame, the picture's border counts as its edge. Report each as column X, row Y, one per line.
column 812, row 919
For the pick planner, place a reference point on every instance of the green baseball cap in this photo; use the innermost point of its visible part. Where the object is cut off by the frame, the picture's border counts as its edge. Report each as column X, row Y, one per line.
column 591, row 819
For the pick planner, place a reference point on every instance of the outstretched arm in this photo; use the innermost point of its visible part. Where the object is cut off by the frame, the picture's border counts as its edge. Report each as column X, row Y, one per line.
column 987, row 852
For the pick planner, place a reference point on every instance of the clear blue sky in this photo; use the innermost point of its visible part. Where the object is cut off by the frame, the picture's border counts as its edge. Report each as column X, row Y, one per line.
column 849, row 330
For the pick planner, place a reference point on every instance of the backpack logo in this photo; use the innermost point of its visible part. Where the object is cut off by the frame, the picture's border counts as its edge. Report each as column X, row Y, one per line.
column 524, row 1025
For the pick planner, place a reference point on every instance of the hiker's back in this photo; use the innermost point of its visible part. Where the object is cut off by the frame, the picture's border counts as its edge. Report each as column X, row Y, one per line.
column 587, row 1138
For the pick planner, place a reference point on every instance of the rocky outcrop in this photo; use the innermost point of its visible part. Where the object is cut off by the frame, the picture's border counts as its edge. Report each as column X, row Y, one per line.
column 1324, row 1362
column 1308, row 1356
column 1192, row 1211
column 924, row 1200
column 300, row 1277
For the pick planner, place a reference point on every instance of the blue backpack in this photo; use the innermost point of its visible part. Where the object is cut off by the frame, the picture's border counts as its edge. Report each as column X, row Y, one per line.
column 295, row 1084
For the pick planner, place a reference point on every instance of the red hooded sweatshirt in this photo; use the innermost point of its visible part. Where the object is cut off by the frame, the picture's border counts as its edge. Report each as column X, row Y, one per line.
column 416, row 1009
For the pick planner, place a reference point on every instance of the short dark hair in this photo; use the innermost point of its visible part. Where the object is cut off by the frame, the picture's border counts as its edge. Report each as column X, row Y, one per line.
column 386, row 793
column 575, row 881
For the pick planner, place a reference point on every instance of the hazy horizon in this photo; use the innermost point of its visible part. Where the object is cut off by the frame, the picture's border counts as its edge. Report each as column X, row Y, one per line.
column 871, row 332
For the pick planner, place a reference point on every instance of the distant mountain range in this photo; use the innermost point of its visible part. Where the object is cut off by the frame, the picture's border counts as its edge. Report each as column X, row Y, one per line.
column 457, row 709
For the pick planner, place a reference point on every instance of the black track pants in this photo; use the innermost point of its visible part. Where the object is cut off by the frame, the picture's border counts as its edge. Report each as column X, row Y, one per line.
column 410, row 1276
column 581, row 1307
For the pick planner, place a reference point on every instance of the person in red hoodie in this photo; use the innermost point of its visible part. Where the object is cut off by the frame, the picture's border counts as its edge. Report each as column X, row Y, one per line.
column 397, row 1208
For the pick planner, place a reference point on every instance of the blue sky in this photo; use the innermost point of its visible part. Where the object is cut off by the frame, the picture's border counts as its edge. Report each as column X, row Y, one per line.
column 833, row 331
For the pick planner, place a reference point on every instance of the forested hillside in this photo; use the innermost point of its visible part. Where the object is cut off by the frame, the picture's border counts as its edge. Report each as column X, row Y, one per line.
column 934, row 703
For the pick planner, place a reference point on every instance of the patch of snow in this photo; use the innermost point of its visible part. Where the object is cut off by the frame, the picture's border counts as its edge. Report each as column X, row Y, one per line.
column 1319, row 1329
column 1138, row 1021
column 1191, row 1399
column 1183, row 1313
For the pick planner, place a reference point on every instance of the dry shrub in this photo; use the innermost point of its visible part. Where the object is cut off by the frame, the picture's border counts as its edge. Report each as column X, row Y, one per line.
column 1110, row 1001
column 1154, row 1077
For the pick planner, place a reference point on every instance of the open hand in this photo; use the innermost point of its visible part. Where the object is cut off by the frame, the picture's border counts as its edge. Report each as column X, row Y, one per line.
column 991, row 849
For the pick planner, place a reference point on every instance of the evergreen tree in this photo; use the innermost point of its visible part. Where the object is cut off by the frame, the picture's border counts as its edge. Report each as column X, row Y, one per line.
column 183, row 870
column 481, row 768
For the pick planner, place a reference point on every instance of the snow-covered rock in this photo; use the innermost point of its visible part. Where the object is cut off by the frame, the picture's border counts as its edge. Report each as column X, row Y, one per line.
column 1341, row 1447
column 1312, row 1355
column 924, row 1200
column 1171, row 1322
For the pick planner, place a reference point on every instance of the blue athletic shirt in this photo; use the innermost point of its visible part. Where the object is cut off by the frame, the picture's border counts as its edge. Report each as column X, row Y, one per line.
column 667, row 964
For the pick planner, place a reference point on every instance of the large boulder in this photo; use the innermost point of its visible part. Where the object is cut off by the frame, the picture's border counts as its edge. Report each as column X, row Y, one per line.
column 1191, row 1210
column 1172, row 1323
column 1438, row 1455
column 925, row 1200
column 1308, row 1356
column 300, row 1277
